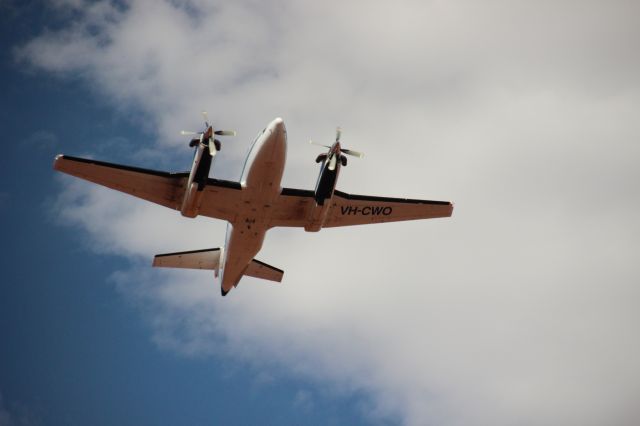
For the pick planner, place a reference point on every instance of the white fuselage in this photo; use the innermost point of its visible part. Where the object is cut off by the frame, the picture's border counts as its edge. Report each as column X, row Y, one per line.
column 260, row 182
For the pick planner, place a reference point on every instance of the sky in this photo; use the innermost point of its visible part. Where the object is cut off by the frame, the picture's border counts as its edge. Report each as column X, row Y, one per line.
column 520, row 309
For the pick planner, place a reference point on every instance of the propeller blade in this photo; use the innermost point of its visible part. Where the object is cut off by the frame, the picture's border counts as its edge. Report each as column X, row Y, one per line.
column 225, row 132
column 352, row 152
column 187, row 133
column 338, row 134
column 332, row 163
column 212, row 148
column 319, row 144
column 205, row 115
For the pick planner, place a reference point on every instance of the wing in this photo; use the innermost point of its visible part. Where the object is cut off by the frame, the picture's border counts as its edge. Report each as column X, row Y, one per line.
column 220, row 199
column 294, row 207
column 161, row 188
column 349, row 209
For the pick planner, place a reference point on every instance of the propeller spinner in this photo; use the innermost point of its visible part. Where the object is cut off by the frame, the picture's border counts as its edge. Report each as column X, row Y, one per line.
column 207, row 137
column 335, row 152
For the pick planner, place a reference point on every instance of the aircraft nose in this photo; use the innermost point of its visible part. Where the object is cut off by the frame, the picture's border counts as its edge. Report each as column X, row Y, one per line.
column 277, row 125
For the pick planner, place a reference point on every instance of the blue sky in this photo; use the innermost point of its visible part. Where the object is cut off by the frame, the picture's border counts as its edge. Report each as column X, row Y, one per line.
column 74, row 351
column 521, row 309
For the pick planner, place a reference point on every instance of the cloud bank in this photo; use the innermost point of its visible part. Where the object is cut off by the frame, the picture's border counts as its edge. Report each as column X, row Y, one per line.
column 521, row 309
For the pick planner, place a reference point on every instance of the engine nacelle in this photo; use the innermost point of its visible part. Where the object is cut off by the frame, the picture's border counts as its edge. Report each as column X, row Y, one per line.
column 318, row 217
column 191, row 201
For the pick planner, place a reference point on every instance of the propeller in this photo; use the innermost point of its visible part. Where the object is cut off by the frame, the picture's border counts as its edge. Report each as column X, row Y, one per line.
column 319, row 144
column 352, row 153
column 333, row 160
column 225, row 132
column 207, row 136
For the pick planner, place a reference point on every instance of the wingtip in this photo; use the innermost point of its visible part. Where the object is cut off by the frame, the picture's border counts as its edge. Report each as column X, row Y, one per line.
column 56, row 161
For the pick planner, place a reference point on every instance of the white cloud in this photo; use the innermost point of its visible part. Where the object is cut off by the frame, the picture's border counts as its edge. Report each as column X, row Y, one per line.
column 521, row 309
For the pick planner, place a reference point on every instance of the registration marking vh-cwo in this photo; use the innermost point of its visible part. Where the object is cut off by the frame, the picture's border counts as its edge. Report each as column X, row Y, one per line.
column 366, row 210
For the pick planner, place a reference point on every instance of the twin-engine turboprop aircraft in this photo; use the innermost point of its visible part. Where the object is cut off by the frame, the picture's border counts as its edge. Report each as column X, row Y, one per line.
column 253, row 205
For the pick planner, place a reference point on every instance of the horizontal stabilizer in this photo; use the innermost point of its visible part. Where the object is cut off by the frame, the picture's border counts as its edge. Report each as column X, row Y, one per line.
column 210, row 259
column 194, row 259
column 259, row 269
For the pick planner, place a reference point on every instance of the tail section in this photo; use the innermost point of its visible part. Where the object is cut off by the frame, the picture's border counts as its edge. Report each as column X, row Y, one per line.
column 210, row 259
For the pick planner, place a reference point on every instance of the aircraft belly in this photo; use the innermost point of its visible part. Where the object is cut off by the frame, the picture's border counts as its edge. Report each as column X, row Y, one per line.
column 244, row 241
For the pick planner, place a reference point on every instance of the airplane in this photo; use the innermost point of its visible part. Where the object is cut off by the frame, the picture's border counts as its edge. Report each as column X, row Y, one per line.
column 252, row 205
